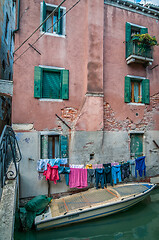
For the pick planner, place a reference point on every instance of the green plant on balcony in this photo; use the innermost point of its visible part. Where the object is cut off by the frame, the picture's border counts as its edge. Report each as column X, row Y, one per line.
column 144, row 41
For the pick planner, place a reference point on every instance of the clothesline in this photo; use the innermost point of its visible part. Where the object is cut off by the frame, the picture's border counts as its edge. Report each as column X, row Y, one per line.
column 80, row 177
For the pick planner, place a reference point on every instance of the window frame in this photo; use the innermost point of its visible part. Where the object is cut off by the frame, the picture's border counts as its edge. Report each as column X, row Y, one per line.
column 43, row 16
column 38, row 82
column 145, row 89
column 63, row 144
column 138, row 136
column 128, row 35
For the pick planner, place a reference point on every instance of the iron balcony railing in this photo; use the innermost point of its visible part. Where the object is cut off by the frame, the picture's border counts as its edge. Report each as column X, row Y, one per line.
column 134, row 49
column 9, row 153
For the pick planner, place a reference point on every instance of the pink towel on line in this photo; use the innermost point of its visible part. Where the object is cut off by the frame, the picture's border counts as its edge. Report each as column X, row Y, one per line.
column 78, row 178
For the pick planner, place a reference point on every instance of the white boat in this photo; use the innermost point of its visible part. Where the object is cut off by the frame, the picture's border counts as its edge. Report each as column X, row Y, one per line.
column 91, row 204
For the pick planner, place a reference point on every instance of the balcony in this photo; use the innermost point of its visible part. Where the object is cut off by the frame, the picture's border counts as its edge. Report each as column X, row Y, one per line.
column 139, row 55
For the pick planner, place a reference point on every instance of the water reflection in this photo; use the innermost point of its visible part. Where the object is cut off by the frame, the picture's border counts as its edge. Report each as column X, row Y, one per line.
column 139, row 222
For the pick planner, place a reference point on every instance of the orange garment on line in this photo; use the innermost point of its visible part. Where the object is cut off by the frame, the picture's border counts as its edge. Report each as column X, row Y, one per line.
column 89, row 166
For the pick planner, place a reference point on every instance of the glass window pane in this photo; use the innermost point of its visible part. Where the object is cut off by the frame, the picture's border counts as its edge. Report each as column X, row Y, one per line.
column 49, row 23
column 136, row 92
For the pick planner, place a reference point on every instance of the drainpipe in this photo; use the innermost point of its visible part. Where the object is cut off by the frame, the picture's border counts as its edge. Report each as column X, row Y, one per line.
column 18, row 16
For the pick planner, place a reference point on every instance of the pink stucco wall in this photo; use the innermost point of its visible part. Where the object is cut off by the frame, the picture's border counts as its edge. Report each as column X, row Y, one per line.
column 115, row 67
column 74, row 52
column 94, row 52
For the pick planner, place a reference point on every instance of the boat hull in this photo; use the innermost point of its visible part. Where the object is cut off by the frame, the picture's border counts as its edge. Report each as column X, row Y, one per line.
column 91, row 213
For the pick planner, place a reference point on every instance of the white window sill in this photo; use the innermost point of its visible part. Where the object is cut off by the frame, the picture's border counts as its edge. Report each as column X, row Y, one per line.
column 54, row 34
column 136, row 104
column 50, row 100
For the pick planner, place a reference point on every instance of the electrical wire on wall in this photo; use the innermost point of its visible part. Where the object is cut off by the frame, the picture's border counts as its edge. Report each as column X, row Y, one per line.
column 30, row 45
column 39, row 26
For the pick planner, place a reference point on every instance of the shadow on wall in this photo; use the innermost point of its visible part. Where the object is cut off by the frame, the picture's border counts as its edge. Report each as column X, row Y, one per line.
column 5, row 112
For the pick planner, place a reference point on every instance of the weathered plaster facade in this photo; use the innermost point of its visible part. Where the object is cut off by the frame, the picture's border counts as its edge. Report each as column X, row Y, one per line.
column 95, row 117
column 7, row 26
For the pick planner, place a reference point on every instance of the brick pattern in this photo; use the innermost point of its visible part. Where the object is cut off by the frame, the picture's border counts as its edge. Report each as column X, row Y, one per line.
column 146, row 123
column 69, row 114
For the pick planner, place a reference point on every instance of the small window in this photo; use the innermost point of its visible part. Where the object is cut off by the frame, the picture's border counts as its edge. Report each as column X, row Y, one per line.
column 136, row 145
column 134, row 31
column 54, row 146
column 51, row 83
column 137, row 90
column 130, row 31
column 55, row 23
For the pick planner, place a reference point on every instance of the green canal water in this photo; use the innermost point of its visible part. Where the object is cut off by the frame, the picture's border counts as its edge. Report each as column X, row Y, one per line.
column 139, row 222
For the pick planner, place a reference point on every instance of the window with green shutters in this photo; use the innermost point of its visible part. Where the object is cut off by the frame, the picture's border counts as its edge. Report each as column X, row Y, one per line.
column 55, row 23
column 132, row 47
column 51, row 83
column 137, row 90
column 54, row 146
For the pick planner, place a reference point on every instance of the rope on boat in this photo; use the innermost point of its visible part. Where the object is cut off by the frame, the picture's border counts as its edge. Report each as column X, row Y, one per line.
column 112, row 193
column 65, row 204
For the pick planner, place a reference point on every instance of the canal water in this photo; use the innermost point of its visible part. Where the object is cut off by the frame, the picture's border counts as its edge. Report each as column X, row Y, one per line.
column 139, row 222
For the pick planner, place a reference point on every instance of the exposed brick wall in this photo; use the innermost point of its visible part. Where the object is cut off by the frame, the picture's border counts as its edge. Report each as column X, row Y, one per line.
column 147, row 122
column 69, row 114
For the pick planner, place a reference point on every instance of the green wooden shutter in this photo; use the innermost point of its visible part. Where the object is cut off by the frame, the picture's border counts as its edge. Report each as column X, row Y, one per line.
column 44, row 16
column 143, row 30
column 64, row 146
column 51, row 84
column 146, row 91
column 59, row 23
column 127, row 94
column 136, row 145
column 65, row 84
column 127, row 37
column 38, row 72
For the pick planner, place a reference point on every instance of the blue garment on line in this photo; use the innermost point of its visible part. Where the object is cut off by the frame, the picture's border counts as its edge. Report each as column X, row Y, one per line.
column 125, row 170
column 56, row 161
column 132, row 167
column 66, row 171
column 91, row 177
column 99, row 173
column 140, row 166
column 107, row 174
column 116, row 173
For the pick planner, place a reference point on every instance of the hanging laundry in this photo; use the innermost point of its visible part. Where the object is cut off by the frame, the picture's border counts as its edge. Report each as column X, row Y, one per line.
column 56, row 161
column 91, row 177
column 63, row 160
column 107, row 174
column 94, row 166
column 99, row 173
column 76, row 166
column 140, row 166
column 51, row 173
column 42, row 165
column 132, row 167
column 116, row 173
column 88, row 166
column 125, row 170
column 78, row 178
column 66, row 171
column 114, row 164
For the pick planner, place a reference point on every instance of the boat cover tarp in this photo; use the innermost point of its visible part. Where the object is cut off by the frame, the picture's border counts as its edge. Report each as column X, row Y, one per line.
column 26, row 215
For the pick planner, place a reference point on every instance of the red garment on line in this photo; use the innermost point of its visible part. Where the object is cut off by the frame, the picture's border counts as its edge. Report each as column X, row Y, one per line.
column 51, row 173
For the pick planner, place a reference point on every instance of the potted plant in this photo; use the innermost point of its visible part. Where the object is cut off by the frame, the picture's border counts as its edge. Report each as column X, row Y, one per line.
column 145, row 40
